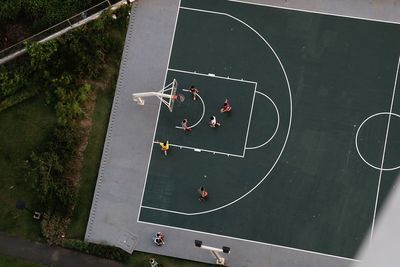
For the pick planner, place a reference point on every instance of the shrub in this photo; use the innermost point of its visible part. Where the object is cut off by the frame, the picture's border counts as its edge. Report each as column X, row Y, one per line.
column 54, row 228
column 16, row 99
column 76, row 245
column 10, row 81
column 41, row 53
column 112, row 253
column 46, row 173
column 9, row 10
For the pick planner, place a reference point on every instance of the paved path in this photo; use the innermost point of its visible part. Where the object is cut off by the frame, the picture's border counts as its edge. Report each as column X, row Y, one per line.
column 49, row 255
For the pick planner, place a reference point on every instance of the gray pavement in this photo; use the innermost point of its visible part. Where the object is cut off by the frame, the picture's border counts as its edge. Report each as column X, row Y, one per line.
column 49, row 255
column 113, row 218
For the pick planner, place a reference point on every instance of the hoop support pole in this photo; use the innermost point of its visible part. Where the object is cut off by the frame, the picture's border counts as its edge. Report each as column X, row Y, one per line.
column 157, row 94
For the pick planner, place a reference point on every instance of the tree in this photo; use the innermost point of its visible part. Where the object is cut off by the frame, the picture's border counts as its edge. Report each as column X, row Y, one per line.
column 9, row 10
column 10, row 82
column 41, row 53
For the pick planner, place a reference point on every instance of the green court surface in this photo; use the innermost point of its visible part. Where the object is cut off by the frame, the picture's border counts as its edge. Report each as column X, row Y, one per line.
column 311, row 147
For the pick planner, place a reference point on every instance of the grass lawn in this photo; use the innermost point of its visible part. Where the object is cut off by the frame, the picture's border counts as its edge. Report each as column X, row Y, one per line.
column 22, row 129
column 6, row 261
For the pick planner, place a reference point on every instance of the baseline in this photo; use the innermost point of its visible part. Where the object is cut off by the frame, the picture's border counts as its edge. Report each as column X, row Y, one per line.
column 250, row 241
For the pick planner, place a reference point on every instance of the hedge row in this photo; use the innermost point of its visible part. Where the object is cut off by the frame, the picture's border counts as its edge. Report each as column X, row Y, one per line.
column 112, row 253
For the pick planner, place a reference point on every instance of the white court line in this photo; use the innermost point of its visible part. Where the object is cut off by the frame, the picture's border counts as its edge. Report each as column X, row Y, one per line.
column 358, row 149
column 290, row 117
column 196, row 149
column 225, row 78
column 277, row 125
column 208, row 75
column 159, row 108
column 384, row 151
column 250, row 241
column 249, row 122
column 315, row 12
column 202, row 115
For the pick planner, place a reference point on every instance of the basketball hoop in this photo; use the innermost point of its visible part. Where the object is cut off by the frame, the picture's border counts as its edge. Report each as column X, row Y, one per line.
column 163, row 93
column 179, row 98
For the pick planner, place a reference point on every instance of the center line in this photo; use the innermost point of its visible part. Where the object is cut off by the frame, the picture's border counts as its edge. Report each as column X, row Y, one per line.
column 384, row 151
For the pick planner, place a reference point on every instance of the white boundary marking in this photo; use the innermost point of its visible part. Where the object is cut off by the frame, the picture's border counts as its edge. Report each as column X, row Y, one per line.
column 204, row 108
column 315, row 12
column 202, row 115
column 212, row 76
column 277, row 125
column 384, row 150
column 289, row 125
column 250, row 241
column 248, row 125
column 196, row 149
column 356, row 141
column 159, row 108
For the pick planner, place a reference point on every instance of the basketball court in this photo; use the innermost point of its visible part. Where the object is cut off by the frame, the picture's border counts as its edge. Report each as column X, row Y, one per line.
column 309, row 151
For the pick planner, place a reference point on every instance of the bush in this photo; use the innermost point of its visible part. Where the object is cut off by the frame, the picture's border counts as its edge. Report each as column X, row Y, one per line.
column 43, row 13
column 16, row 99
column 54, row 228
column 9, row 10
column 112, row 253
column 41, row 53
column 69, row 101
column 46, row 174
column 76, row 245
column 10, row 81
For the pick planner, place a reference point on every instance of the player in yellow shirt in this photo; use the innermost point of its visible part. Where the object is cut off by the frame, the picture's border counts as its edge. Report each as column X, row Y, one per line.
column 164, row 147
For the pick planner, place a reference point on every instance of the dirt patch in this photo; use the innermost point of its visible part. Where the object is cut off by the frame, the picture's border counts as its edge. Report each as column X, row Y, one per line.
column 85, row 125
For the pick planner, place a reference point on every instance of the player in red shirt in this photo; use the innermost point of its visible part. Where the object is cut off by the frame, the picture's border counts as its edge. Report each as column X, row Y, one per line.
column 226, row 107
column 194, row 91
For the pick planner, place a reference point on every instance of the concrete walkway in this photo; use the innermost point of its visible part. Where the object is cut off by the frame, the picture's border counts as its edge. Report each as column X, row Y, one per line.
column 36, row 252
